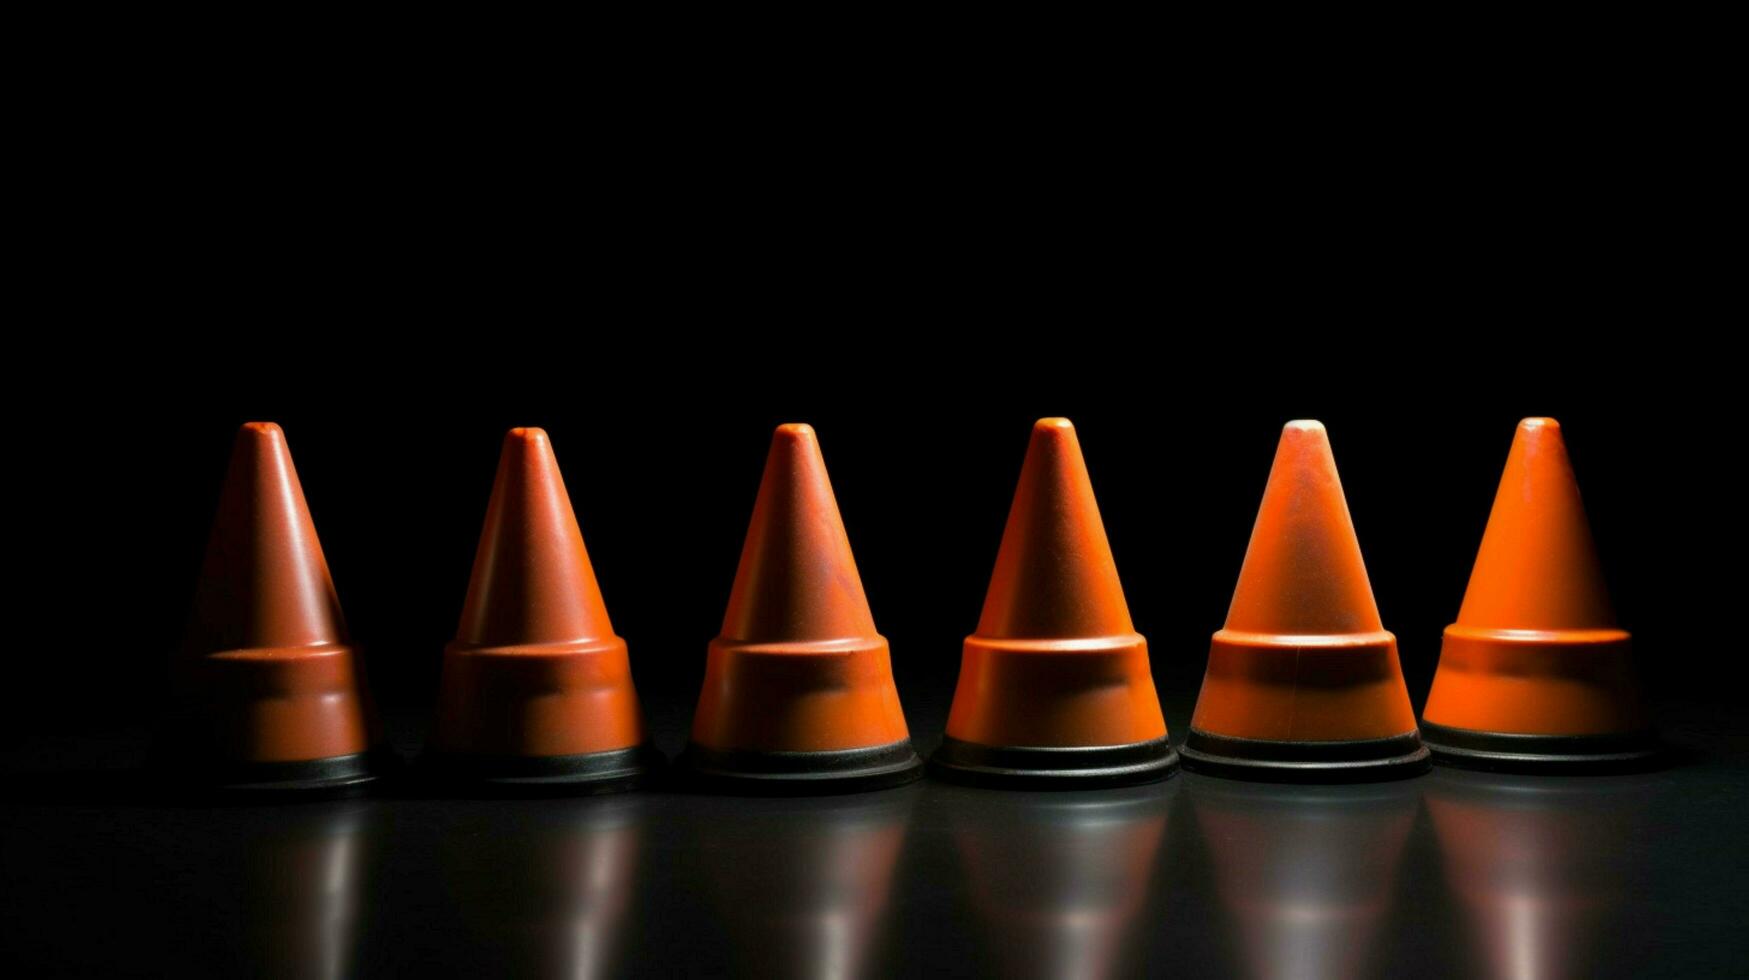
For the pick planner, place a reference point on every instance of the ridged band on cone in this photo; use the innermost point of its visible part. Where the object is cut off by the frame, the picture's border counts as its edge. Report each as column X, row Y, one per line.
column 1303, row 683
column 270, row 691
column 1535, row 672
column 537, row 689
column 1054, row 686
column 798, row 689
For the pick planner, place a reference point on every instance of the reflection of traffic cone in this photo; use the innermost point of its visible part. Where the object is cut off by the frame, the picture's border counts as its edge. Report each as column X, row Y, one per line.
column 551, row 896
column 1306, row 874
column 303, row 890
column 270, row 691
column 1530, row 861
column 798, row 690
column 1054, row 686
column 1534, row 673
column 1060, row 881
column 1304, row 683
column 537, row 690
column 799, row 890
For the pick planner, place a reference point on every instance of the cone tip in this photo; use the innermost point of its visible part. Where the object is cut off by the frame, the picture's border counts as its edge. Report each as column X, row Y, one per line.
column 1307, row 426
column 526, row 433
column 1537, row 423
column 794, row 432
column 269, row 429
column 1056, row 423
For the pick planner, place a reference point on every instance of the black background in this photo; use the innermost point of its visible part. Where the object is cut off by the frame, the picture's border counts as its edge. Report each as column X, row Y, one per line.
column 662, row 442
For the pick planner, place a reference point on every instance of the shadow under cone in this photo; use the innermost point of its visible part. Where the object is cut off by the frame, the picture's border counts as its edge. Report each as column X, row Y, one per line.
column 1054, row 687
column 537, row 690
column 798, row 691
column 1303, row 683
column 1535, row 673
column 270, row 693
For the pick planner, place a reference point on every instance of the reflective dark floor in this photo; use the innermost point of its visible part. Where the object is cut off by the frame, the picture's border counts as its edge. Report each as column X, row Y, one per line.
column 1453, row 874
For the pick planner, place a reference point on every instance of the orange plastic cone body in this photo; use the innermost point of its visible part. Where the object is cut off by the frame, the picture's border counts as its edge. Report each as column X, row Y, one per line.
column 535, row 671
column 268, row 676
column 1535, row 650
column 1304, row 660
column 1055, row 662
column 799, row 667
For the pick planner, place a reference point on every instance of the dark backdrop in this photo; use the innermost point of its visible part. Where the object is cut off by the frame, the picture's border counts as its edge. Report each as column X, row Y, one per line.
column 662, row 446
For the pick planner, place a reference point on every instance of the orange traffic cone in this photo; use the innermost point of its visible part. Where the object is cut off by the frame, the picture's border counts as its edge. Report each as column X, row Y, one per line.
column 798, row 690
column 270, row 691
column 1535, row 673
column 1304, row 683
column 537, row 690
column 1054, row 686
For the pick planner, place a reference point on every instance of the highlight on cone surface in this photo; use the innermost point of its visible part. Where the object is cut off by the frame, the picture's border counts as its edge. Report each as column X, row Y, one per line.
column 798, row 692
column 537, row 691
column 1054, row 686
column 270, row 692
column 1535, row 673
column 1303, row 683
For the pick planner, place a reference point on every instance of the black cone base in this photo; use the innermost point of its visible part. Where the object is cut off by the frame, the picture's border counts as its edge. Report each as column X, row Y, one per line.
column 334, row 777
column 1080, row 767
column 546, row 775
column 1576, row 754
column 799, row 773
column 1359, row 761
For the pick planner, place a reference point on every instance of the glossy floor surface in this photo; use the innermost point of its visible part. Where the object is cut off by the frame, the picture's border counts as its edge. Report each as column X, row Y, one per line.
column 1453, row 874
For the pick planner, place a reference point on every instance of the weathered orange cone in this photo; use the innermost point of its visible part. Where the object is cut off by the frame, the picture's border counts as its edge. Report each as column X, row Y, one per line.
column 798, row 690
column 1054, row 686
column 270, row 692
column 537, row 690
column 1534, row 673
column 1304, row 683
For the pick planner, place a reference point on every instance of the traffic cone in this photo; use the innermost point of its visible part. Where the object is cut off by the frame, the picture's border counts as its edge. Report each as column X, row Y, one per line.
column 537, row 693
column 270, row 692
column 798, row 690
column 1054, row 686
column 1303, row 683
column 1535, row 674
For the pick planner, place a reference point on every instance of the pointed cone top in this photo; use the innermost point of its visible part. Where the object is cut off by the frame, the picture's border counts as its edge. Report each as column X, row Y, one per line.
column 797, row 580
column 1303, row 573
column 532, row 579
column 264, row 583
column 1055, row 576
column 1537, row 567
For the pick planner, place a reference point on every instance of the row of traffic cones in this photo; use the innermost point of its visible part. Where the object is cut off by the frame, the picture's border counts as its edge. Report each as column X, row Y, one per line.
column 1303, row 682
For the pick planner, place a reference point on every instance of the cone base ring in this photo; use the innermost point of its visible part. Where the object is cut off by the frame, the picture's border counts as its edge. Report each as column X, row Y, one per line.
column 799, row 773
column 1071, row 767
column 335, row 776
column 1267, row 760
column 584, row 774
column 1510, row 752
